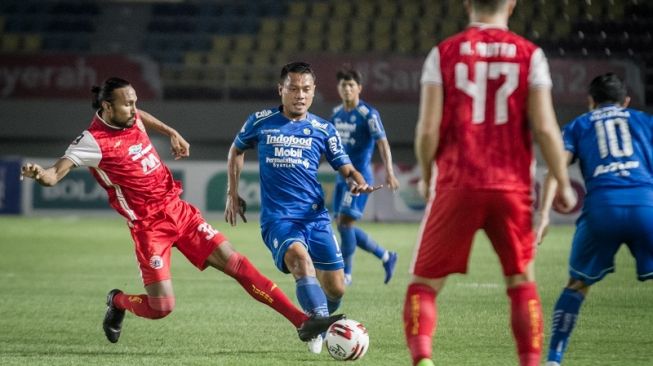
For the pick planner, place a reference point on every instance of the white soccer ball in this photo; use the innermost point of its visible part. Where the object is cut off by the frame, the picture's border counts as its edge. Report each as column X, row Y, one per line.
column 347, row 340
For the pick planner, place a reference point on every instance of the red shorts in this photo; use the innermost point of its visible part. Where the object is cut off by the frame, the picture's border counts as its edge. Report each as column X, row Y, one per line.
column 179, row 224
column 453, row 217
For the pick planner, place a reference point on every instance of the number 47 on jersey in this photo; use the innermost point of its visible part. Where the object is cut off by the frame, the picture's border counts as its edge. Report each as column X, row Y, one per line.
column 477, row 89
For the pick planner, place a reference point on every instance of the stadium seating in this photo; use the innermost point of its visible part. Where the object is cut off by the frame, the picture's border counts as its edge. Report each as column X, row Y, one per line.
column 233, row 41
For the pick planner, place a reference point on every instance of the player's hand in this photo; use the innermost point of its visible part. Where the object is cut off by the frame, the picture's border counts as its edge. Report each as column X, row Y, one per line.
column 179, row 146
column 392, row 182
column 565, row 199
column 233, row 209
column 30, row 170
column 541, row 226
column 357, row 189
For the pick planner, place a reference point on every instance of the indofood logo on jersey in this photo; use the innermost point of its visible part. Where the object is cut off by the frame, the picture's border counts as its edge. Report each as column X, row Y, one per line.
column 288, row 150
column 294, row 141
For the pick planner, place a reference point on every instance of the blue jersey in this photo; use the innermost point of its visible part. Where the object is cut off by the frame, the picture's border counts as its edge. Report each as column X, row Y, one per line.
column 289, row 154
column 359, row 129
column 615, row 148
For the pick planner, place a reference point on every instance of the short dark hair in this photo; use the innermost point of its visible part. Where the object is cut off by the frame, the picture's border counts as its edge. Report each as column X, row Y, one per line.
column 348, row 73
column 607, row 88
column 298, row 67
column 105, row 92
column 487, row 6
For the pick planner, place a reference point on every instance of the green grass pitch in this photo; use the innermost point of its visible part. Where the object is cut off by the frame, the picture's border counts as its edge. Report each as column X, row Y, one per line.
column 56, row 271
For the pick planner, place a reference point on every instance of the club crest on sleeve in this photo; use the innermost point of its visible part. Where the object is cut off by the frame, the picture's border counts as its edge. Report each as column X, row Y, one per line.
column 156, row 262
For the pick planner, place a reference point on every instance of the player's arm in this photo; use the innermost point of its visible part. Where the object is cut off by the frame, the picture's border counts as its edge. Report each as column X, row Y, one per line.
column 355, row 179
column 235, row 205
column 543, row 216
column 386, row 155
column 547, row 134
column 50, row 176
column 179, row 146
column 427, row 132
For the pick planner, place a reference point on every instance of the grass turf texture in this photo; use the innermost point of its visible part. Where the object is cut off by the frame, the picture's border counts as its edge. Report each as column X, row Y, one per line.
column 55, row 273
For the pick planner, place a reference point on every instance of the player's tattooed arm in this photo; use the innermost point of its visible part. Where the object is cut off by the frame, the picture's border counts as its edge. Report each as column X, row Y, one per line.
column 546, row 133
column 47, row 177
column 179, row 146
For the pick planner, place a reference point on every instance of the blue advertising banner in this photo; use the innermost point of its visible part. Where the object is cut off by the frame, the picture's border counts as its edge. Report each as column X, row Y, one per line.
column 10, row 187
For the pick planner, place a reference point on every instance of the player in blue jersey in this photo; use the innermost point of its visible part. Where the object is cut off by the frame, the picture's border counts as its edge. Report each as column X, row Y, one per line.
column 360, row 128
column 614, row 147
column 295, row 224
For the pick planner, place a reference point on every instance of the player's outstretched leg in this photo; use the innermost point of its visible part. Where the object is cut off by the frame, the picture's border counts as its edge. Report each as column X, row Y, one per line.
column 263, row 289
column 388, row 258
column 113, row 318
column 565, row 314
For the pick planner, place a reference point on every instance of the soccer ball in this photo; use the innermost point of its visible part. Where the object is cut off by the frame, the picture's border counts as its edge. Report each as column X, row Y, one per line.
column 347, row 340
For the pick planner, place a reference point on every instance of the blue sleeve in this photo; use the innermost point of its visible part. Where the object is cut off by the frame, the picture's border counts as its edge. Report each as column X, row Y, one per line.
column 375, row 125
column 246, row 138
column 335, row 153
column 569, row 138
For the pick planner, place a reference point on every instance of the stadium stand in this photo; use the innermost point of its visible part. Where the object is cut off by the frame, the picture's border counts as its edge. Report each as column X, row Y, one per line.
column 200, row 45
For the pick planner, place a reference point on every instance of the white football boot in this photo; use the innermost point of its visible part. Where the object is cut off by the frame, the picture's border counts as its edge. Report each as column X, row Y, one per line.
column 315, row 344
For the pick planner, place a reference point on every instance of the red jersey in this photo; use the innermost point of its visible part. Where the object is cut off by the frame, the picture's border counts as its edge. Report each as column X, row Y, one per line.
column 126, row 165
column 485, row 141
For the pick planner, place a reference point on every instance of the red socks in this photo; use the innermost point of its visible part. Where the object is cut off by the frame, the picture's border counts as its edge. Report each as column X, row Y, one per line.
column 526, row 321
column 420, row 319
column 145, row 306
column 238, row 267
column 262, row 289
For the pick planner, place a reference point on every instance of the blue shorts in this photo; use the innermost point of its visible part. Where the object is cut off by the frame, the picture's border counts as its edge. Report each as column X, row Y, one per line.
column 316, row 236
column 599, row 234
column 346, row 204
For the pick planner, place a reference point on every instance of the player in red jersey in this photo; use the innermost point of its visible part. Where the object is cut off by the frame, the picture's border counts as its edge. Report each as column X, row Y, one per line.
column 484, row 92
column 119, row 154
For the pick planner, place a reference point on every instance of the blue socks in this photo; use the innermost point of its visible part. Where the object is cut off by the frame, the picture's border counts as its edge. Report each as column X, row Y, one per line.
column 367, row 244
column 565, row 314
column 333, row 304
column 311, row 297
column 347, row 246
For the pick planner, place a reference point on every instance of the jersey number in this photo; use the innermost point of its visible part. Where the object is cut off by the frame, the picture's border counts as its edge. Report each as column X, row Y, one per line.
column 609, row 133
column 477, row 89
column 208, row 230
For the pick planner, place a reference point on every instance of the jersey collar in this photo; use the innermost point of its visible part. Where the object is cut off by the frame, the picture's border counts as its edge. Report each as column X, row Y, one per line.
column 487, row 26
column 293, row 120
column 105, row 124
